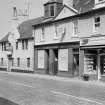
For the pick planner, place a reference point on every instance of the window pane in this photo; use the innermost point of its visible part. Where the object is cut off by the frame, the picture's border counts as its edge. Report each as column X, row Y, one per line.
column 52, row 10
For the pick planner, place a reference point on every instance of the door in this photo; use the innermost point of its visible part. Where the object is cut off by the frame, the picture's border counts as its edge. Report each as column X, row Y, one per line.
column 55, row 61
column 102, row 64
column 76, row 65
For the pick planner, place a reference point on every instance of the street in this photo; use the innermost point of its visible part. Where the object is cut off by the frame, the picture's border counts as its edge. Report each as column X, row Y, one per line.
column 32, row 89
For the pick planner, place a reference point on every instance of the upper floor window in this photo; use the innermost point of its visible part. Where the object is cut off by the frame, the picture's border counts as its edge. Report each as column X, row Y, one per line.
column 25, row 44
column 75, row 28
column 12, row 61
column 28, row 62
column 3, row 46
column 52, row 10
column 16, row 45
column 42, row 33
column 18, row 62
column 96, row 23
column 2, row 61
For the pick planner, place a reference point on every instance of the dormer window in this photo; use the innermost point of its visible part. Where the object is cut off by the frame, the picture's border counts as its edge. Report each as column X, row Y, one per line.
column 52, row 10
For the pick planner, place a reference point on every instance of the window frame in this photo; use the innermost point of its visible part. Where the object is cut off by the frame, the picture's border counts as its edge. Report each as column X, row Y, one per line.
column 18, row 62
column 52, row 10
column 42, row 33
column 16, row 45
column 28, row 62
column 97, row 23
column 75, row 28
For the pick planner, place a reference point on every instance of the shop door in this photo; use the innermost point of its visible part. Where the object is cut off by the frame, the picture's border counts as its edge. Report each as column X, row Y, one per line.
column 55, row 62
column 76, row 65
column 102, row 64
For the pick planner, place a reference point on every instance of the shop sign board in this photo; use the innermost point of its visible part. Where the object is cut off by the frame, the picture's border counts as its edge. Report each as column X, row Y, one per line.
column 100, row 40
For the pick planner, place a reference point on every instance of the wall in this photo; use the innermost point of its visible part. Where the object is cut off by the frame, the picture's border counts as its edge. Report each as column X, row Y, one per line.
column 86, row 25
column 23, row 55
column 50, row 32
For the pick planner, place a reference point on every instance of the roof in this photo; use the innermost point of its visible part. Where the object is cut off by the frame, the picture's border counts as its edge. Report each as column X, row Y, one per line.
column 83, row 5
column 25, row 29
column 54, row 1
column 5, row 38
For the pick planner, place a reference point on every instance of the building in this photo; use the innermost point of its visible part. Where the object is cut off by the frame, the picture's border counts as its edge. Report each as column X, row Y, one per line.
column 17, row 47
column 56, row 41
column 92, row 42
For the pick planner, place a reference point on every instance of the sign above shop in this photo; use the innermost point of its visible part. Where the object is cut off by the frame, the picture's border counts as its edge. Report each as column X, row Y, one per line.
column 94, row 40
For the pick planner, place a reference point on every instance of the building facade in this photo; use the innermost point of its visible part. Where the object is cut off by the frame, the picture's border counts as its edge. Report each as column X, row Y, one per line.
column 92, row 42
column 56, row 42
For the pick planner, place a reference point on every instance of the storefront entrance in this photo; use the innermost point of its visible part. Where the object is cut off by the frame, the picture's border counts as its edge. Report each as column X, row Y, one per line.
column 102, row 64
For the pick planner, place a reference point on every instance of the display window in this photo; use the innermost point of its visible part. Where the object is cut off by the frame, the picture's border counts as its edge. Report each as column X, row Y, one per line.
column 90, row 63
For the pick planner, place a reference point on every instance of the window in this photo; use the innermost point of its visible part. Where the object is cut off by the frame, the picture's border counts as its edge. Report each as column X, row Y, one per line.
column 96, row 23
column 25, row 44
column 28, row 62
column 42, row 34
column 16, row 45
column 75, row 28
column 18, row 62
column 52, row 10
column 12, row 61
column 3, row 46
column 1, row 61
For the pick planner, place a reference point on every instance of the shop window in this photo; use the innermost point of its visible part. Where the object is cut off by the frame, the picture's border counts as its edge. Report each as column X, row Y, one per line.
column 28, row 62
column 90, row 64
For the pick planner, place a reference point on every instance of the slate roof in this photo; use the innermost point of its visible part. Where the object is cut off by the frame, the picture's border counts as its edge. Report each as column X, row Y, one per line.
column 25, row 29
column 83, row 5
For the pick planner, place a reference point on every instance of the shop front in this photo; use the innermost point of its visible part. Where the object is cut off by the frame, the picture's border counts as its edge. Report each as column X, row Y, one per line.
column 60, row 59
column 92, row 57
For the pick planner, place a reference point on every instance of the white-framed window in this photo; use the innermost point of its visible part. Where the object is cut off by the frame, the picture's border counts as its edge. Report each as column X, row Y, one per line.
column 56, row 31
column 75, row 28
column 42, row 33
column 60, row 31
column 52, row 12
column 96, row 23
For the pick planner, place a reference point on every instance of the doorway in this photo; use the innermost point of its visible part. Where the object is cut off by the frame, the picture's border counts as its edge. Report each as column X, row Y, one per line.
column 55, row 61
column 102, row 64
column 47, row 61
column 76, row 65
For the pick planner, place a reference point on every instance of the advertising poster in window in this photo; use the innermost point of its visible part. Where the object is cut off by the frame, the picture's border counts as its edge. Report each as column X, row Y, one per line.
column 41, row 59
column 63, row 60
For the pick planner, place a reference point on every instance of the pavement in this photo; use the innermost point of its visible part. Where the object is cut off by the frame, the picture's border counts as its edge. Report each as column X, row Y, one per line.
column 35, row 89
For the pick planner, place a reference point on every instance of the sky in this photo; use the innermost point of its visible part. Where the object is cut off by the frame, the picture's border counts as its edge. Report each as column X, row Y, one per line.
column 36, row 10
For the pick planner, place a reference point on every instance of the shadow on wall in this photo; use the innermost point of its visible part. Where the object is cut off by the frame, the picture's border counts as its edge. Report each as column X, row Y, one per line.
column 4, row 101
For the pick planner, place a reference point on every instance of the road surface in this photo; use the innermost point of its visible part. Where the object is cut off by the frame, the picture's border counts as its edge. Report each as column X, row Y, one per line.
column 32, row 89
